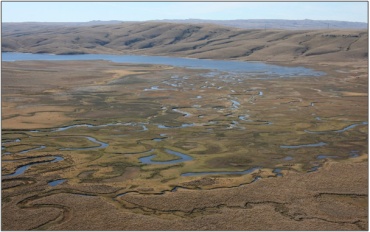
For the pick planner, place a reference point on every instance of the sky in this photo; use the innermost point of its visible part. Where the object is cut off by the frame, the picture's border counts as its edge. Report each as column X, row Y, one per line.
column 142, row 11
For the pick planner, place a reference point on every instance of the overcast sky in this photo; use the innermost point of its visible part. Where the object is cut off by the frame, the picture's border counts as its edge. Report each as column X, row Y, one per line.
column 141, row 11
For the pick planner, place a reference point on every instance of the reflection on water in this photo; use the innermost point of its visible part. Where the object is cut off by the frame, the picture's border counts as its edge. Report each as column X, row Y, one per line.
column 32, row 149
column 337, row 131
column 277, row 171
column 314, row 168
column 235, row 104
column 326, row 156
column 160, row 126
column 91, row 126
column 159, row 139
column 258, row 68
column 183, row 158
column 56, row 182
column 221, row 173
column 10, row 141
column 20, row 170
column 354, row 154
column 234, row 124
column 304, row 145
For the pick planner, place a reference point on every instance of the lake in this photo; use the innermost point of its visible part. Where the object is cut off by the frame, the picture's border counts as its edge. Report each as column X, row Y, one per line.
column 255, row 68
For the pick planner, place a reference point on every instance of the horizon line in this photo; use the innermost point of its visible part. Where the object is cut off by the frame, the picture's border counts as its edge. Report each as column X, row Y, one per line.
column 115, row 20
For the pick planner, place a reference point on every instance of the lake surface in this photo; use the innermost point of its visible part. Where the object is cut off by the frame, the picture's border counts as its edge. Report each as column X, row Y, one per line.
column 220, row 65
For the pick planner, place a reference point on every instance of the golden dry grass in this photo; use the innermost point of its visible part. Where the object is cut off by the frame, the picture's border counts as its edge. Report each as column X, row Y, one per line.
column 35, row 117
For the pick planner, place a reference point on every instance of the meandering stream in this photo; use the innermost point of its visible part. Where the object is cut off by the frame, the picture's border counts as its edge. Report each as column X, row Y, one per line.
column 183, row 158
column 20, row 170
column 248, row 171
column 102, row 145
column 337, row 131
column 232, row 67
column 304, row 145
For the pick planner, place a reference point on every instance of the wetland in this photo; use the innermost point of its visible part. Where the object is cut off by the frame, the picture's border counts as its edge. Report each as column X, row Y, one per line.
column 109, row 142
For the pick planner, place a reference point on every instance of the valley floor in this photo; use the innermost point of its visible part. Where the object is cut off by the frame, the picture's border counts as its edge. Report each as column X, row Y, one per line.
column 96, row 145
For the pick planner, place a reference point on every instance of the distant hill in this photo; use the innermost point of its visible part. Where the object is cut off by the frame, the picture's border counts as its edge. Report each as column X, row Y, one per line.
column 186, row 40
column 306, row 24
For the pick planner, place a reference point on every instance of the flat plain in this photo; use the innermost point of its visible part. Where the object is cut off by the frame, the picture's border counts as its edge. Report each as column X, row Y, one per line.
column 98, row 145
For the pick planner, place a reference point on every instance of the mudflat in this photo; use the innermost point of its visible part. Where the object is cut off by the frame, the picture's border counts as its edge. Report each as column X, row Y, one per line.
column 98, row 145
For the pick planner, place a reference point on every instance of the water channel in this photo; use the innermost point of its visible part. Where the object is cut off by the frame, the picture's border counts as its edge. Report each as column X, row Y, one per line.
column 256, row 68
column 54, row 183
column 20, row 170
column 337, row 131
column 304, row 145
column 183, row 158
column 102, row 145
column 248, row 171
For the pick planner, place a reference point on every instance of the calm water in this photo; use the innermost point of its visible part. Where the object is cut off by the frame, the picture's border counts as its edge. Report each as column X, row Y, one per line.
column 183, row 158
column 20, row 170
column 248, row 171
column 220, row 65
column 338, row 131
column 304, row 145
column 56, row 182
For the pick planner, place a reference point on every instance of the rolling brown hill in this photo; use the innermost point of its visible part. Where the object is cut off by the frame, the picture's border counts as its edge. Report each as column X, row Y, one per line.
column 187, row 40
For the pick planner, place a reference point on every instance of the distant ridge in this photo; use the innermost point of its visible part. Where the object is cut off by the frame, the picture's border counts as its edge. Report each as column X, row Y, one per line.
column 305, row 24
column 207, row 41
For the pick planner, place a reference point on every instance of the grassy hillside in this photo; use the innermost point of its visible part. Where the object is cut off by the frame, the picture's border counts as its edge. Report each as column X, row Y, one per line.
column 187, row 40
